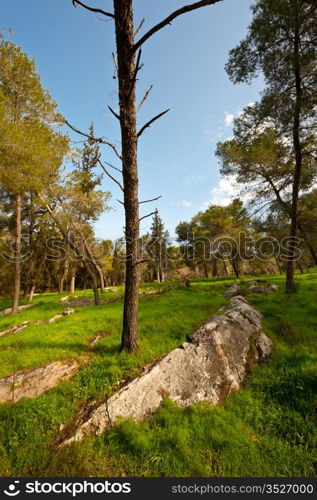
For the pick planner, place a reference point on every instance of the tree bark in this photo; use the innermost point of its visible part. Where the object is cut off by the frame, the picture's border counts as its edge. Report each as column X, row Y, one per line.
column 17, row 254
column 31, row 293
column 64, row 276
column 72, row 283
column 290, row 269
column 123, row 10
column 235, row 267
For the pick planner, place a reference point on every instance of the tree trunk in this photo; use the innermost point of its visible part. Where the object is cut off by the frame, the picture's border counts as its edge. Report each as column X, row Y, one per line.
column 205, row 270
column 31, row 293
column 225, row 268
column 72, row 283
column 95, row 288
column 17, row 253
column 235, row 267
column 290, row 283
column 123, row 11
column 64, row 276
column 278, row 265
column 214, row 268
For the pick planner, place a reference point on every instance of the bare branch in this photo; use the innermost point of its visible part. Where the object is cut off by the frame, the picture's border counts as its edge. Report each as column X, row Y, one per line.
column 119, row 201
column 149, row 201
column 100, row 140
column 171, row 17
column 148, row 215
column 112, row 166
column 148, row 124
column 98, row 11
column 144, row 98
column 139, row 28
column 111, row 177
column 114, row 113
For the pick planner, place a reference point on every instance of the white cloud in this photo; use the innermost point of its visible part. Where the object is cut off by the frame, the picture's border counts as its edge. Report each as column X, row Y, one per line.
column 224, row 192
column 227, row 190
column 229, row 117
column 187, row 203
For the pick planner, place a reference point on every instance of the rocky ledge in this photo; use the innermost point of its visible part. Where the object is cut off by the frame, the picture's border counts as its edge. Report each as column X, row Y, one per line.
column 209, row 367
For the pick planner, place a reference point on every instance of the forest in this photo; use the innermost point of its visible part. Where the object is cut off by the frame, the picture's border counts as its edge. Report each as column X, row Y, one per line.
column 83, row 318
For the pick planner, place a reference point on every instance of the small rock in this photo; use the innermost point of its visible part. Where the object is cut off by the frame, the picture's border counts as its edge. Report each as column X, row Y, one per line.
column 114, row 290
column 274, row 287
column 259, row 289
column 68, row 311
column 264, row 346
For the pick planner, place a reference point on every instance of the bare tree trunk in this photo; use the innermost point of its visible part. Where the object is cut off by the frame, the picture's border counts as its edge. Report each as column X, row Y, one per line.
column 17, row 254
column 278, row 265
column 205, row 270
column 290, row 269
column 72, row 283
column 235, row 267
column 32, row 293
column 123, row 11
column 225, row 268
column 64, row 276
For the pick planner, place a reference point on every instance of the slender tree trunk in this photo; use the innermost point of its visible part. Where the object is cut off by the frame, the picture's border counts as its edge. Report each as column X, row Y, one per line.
column 32, row 293
column 123, row 10
column 225, row 268
column 214, row 268
column 278, row 265
column 17, row 253
column 95, row 288
column 64, row 276
column 205, row 268
column 72, row 283
column 235, row 267
column 290, row 283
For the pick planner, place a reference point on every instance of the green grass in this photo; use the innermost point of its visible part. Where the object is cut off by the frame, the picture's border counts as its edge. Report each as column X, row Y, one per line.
column 28, row 428
column 267, row 429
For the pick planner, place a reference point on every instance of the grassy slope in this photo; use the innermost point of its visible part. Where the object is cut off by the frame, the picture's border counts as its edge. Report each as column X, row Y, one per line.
column 267, row 429
column 28, row 428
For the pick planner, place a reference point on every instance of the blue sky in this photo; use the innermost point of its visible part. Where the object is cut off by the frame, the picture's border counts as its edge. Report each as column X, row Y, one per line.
column 185, row 63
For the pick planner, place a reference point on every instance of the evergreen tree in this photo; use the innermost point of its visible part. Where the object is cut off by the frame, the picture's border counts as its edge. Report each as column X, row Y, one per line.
column 281, row 43
column 31, row 152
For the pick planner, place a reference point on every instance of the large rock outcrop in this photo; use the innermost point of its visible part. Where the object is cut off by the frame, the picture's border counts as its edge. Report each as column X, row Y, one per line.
column 210, row 366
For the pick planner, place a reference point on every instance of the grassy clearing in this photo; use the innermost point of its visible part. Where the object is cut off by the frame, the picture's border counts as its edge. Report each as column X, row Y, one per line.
column 29, row 429
column 267, row 429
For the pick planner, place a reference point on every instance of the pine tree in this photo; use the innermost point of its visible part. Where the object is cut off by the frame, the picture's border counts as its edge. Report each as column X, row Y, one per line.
column 31, row 152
